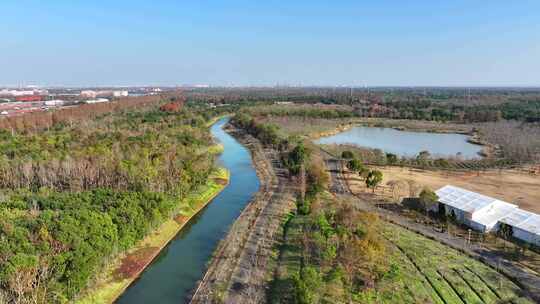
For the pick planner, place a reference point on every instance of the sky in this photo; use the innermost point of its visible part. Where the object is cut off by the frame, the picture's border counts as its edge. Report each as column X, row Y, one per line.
column 266, row 43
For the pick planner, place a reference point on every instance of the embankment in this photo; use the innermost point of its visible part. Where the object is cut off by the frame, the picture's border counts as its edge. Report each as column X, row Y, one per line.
column 236, row 273
column 125, row 269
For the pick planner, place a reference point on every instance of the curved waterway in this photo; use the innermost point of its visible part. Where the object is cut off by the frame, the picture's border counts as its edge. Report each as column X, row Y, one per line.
column 174, row 273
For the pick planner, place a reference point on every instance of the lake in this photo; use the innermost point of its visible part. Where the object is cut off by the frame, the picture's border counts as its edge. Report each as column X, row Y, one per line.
column 406, row 143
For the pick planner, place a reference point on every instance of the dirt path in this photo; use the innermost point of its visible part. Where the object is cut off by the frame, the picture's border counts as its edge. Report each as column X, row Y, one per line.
column 237, row 271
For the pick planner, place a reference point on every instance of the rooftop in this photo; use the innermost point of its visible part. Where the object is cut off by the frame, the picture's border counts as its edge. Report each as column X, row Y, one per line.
column 524, row 220
column 466, row 200
column 493, row 210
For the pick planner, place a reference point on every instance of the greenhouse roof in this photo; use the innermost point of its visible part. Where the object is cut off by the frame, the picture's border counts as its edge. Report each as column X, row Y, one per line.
column 466, row 200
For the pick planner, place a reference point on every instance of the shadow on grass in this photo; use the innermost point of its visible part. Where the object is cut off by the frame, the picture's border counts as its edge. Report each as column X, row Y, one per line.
column 281, row 291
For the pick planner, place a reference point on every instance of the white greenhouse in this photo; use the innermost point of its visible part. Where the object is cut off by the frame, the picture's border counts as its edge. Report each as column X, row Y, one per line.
column 485, row 214
column 525, row 226
column 480, row 212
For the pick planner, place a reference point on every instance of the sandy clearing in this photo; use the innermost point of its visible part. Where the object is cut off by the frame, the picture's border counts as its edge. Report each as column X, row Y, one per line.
column 508, row 185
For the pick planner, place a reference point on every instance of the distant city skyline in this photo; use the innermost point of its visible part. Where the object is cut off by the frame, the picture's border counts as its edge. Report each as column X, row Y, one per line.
column 241, row 43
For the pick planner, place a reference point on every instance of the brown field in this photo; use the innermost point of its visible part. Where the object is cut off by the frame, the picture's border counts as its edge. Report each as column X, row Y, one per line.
column 508, row 185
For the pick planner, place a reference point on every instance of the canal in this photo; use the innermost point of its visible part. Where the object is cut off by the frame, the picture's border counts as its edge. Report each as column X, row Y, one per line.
column 175, row 272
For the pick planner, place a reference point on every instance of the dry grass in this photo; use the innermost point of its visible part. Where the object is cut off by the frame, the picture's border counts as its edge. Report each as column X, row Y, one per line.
column 509, row 185
column 307, row 126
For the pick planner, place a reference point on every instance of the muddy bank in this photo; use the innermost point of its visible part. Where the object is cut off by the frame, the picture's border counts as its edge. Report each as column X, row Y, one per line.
column 236, row 273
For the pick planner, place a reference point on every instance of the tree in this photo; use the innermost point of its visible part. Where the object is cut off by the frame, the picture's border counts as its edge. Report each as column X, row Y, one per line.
column 308, row 285
column 413, row 188
column 347, row 154
column 422, row 157
column 373, row 179
column 442, row 163
column 428, row 199
column 354, row 165
column 297, row 157
column 396, row 187
column 363, row 172
column 391, row 159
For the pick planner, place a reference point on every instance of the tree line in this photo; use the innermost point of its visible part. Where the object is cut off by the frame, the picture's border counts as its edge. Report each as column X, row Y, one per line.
column 74, row 197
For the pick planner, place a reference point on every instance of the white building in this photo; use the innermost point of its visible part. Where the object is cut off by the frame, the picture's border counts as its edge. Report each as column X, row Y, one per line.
column 16, row 93
column 480, row 212
column 120, row 93
column 99, row 100
column 88, row 94
column 525, row 226
column 54, row 103
column 485, row 214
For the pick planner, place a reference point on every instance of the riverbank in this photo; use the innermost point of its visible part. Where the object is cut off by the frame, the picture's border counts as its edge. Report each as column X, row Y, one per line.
column 236, row 273
column 126, row 268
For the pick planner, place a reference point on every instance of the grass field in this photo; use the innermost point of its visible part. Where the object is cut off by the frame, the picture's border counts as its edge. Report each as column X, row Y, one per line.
column 126, row 268
column 421, row 271
column 445, row 275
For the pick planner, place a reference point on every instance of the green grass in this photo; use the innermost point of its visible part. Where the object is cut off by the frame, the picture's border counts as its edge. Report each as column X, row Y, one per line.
column 455, row 276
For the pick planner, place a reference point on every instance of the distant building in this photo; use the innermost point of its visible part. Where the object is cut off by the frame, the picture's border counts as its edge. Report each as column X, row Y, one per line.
column 16, row 93
column 54, row 103
column 98, row 100
column 120, row 93
column 88, row 94
column 29, row 98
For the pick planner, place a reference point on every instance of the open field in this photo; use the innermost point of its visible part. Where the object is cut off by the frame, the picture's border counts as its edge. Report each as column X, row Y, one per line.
column 509, row 185
column 125, row 269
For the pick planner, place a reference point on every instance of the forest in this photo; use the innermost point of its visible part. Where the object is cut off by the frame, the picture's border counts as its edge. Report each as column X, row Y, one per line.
column 74, row 195
column 435, row 104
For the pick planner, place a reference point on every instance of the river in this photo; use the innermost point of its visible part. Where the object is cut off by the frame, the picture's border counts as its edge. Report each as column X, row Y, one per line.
column 175, row 272
column 406, row 143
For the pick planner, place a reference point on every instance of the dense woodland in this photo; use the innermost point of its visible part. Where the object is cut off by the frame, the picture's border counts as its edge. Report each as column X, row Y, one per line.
column 75, row 195
column 438, row 104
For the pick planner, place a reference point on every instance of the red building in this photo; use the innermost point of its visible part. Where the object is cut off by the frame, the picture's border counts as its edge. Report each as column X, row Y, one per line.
column 29, row 98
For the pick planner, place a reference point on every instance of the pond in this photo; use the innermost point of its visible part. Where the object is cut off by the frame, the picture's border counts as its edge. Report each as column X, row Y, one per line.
column 406, row 143
column 175, row 272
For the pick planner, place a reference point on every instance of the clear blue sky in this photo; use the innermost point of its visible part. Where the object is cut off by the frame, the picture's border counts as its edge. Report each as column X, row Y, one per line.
column 458, row 42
